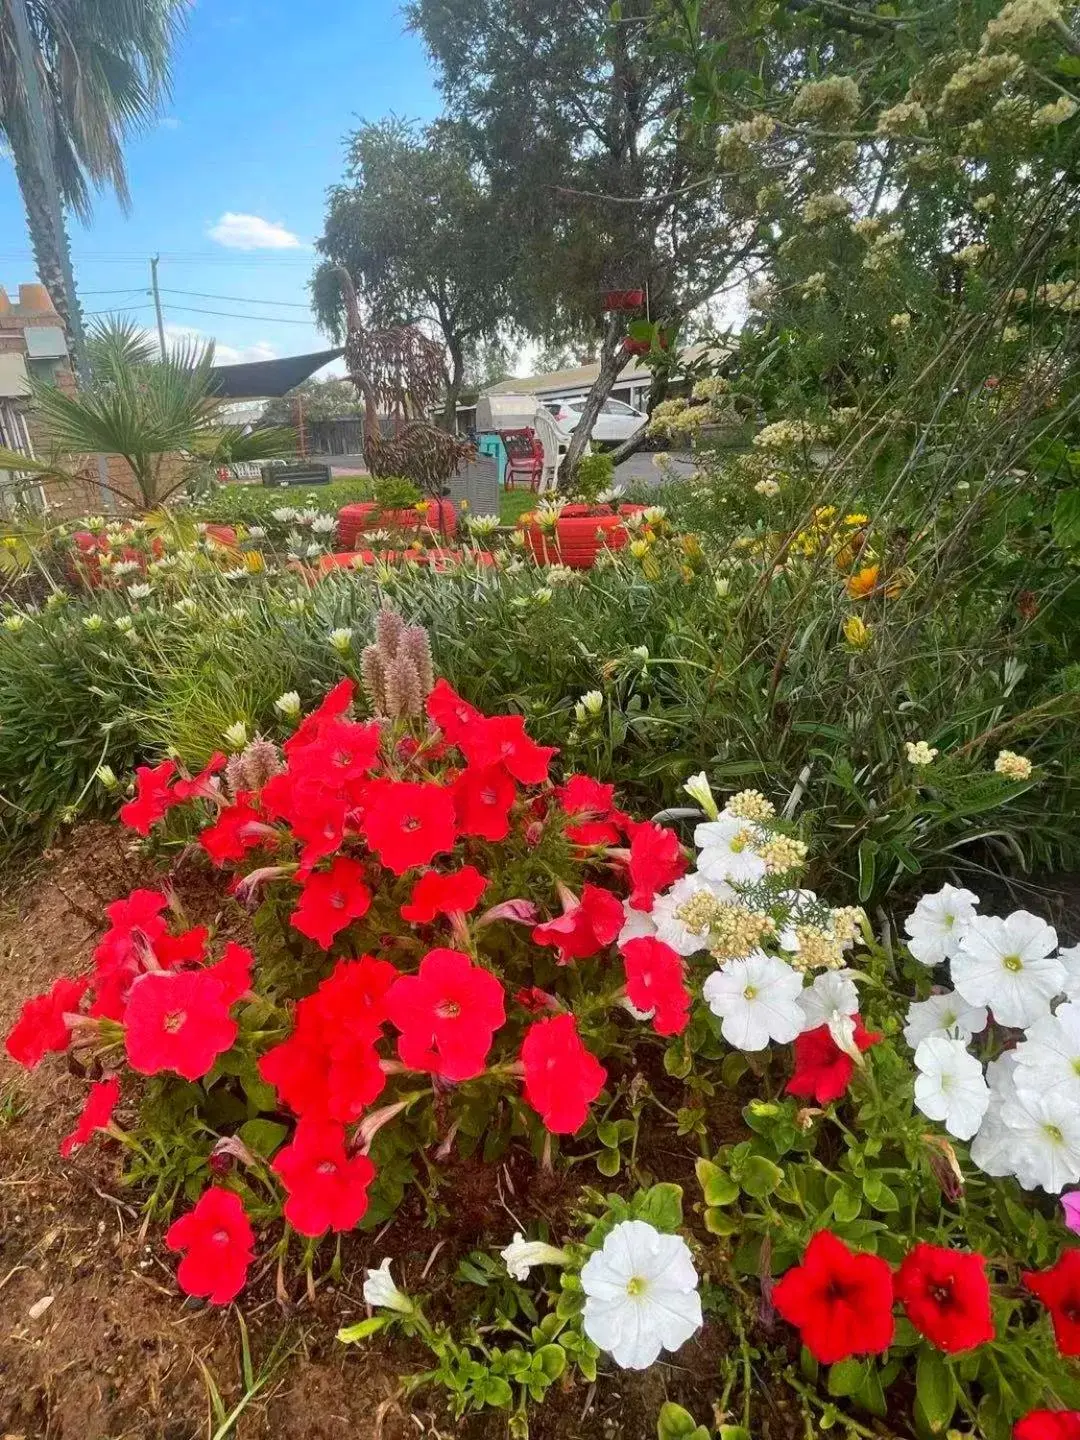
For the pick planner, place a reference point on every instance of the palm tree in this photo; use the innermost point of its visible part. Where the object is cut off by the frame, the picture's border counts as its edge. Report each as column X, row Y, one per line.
column 103, row 69
column 157, row 413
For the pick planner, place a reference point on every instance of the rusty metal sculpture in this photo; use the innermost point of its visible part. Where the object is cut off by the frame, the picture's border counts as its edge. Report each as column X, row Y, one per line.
column 399, row 372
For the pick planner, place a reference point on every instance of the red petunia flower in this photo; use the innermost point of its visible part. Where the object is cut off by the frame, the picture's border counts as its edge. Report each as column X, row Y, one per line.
column 102, row 1100
column 201, row 785
column 344, row 751
column 656, row 980
column 327, row 1189
column 946, row 1295
column 237, row 829
column 333, row 705
column 152, row 797
column 593, row 832
column 187, row 948
column 1048, row 1425
column 822, row 1070
column 437, row 894
column 177, row 1020
column 562, row 1078
column 453, row 715
column 483, row 797
column 331, row 900
column 1059, row 1290
column 233, row 972
column 656, row 861
column 501, row 740
column 40, row 1027
column 220, row 1246
column 141, row 910
column 839, row 1300
column 447, row 1014
column 407, row 824
column 328, row 1068
column 586, row 926
column 582, row 795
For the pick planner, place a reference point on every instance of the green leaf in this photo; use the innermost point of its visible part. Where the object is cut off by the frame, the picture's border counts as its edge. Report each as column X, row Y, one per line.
column 846, row 1377
column 846, row 1204
column 608, row 1162
column 262, row 1136
column 660, row 1206
column 720, row 1222
column 675, row 1423
column 867, row 869
column 552, row 1359
column 717, row 1186
column 935, row 1389
column 494, row 1390
column 1066, row 521
column 760, row 1176
column 607, row 1132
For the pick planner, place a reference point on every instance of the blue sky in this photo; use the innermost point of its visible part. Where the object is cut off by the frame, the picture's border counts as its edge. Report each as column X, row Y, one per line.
column 229, row 187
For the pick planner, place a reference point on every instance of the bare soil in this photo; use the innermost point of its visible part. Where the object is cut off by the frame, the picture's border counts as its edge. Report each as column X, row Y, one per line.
column 96, row 1341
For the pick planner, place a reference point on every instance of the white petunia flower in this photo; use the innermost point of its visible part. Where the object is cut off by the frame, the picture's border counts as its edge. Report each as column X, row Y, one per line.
column 831, row 994
column 727, row 853
column 668, row 926
column 950, row 1086
column 699, row 789
column 1007, row 965
column 637, row 925
column 1070, row 958
column 521, row 1255
column 1043, row 1140
column 1048, row 1060
column 944, row 1014
column 992, row 1147
column 938, row 922
column 640, row 1294
column 758, row 1000
column 380, row 1290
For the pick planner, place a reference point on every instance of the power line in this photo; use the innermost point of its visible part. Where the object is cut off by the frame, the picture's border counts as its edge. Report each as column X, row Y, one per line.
column 243, row 299
column 225, row 314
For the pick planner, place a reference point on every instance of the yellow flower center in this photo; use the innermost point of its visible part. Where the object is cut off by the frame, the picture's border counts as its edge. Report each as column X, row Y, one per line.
column 1013, row 963
column 636, row 1285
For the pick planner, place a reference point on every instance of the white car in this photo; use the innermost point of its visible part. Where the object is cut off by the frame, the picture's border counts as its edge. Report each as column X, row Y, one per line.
column 615, row 423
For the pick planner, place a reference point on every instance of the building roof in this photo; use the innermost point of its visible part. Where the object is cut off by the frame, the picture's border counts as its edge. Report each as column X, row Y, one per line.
column 581, row 377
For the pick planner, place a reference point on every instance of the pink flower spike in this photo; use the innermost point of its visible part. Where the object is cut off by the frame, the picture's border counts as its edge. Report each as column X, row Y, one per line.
column 1070, row 1204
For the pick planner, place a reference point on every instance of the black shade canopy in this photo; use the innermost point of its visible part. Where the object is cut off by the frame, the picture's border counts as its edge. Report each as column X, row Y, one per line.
column 266, row 379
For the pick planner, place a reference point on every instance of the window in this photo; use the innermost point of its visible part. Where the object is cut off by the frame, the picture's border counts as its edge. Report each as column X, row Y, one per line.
column 616, row 407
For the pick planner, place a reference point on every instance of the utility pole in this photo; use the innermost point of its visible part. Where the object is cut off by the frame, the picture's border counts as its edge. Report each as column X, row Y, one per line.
column 41, row 142
column 157, row 303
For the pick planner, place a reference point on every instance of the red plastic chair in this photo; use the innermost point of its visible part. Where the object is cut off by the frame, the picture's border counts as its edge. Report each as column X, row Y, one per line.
column 524, row 457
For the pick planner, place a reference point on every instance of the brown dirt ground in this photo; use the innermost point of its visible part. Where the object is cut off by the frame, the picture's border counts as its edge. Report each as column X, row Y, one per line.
column 118, row 1353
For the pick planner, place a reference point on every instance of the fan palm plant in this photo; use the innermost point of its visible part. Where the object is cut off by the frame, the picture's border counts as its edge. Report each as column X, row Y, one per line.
column 103, row 69
column 157, row 413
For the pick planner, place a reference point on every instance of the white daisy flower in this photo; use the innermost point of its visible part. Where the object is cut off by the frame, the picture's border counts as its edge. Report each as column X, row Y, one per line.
column 944, row 1014
column 950, row 1086
column 1048, row 1060
column 1044, row 1140
column 324, row 524
column 757, row 999
column 284, row 515
column 640, row 1294
column 1007, row 965
column 938, row 922
column 727, row 853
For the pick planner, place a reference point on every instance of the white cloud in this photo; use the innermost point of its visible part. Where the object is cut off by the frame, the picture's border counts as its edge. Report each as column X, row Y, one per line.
column 223, row 354
column 252, row 232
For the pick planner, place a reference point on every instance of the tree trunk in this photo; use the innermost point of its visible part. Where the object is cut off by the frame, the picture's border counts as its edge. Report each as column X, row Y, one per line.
column 612, row 359
column 46, row 245
column 453, row 388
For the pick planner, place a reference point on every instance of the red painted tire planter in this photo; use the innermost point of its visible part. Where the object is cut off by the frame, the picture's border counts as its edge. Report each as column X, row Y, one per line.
column 577, row 539
column 355, row 520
